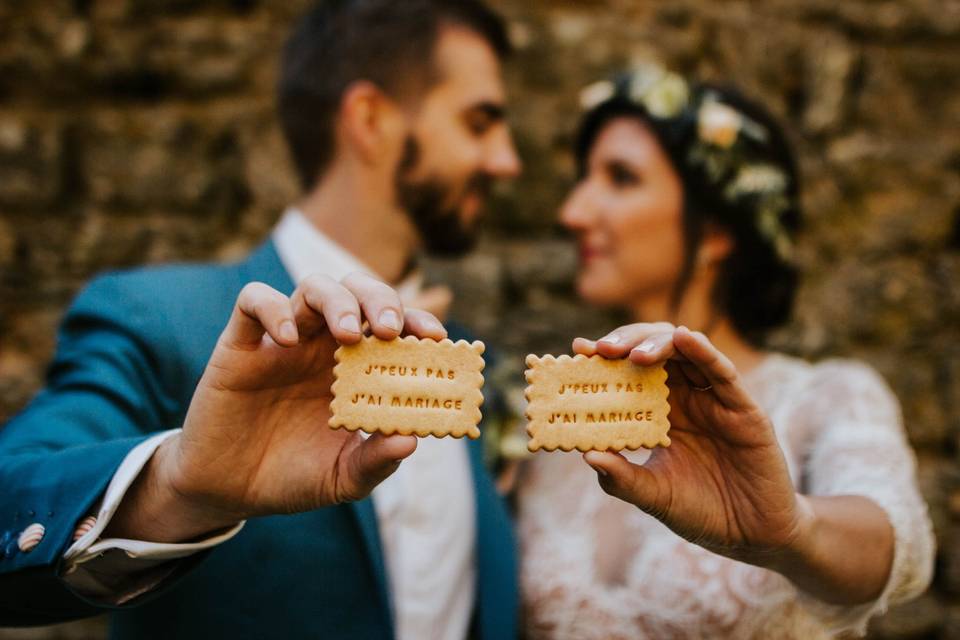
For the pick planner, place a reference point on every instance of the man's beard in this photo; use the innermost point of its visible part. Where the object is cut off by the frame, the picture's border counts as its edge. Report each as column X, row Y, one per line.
column 431, row 209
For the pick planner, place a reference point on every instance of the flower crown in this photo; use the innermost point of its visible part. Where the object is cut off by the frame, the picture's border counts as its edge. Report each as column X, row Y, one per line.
column 724, row 138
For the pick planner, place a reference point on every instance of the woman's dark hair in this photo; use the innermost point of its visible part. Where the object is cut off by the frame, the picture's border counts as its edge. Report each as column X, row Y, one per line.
column 757, row 285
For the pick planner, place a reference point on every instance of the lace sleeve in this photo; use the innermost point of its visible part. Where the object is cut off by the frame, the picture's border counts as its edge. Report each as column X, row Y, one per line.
column 859, row 447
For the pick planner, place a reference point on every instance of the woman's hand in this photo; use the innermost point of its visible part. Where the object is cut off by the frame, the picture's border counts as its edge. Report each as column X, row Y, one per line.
column 723, row 482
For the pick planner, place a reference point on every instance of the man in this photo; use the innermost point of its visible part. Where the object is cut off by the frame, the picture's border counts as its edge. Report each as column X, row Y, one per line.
column 394, row 115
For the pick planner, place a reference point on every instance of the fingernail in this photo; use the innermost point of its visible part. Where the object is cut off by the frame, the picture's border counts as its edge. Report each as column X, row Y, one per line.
column 288, row 331
column 350, row 323
column 647, row 346
column 390, row 319
column 432, row 325
column 610, row 339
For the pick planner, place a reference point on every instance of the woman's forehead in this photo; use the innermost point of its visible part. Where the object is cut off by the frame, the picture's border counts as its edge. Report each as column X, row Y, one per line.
column 627, row 138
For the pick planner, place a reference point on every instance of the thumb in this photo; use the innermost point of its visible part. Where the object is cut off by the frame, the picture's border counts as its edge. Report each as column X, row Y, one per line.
column 369, row 462
column 624, row 480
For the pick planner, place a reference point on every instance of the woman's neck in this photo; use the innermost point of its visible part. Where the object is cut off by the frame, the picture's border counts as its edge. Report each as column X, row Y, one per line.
column 695, row 312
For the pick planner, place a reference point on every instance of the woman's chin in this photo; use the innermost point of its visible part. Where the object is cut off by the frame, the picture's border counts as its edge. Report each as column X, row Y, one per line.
column 599, row 291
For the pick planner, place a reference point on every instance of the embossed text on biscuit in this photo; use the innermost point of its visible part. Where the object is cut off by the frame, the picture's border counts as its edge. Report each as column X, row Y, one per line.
column 409, row 386
column 591, row 403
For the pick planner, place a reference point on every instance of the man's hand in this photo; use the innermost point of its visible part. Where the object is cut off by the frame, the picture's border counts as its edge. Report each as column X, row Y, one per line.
column 255, row 440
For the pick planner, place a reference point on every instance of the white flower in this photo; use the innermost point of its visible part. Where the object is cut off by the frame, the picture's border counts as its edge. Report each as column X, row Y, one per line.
column 596, row 94
column 642, row 79
column 757, row 178
column 668, row 97
column 662, row 93
column 718, row 124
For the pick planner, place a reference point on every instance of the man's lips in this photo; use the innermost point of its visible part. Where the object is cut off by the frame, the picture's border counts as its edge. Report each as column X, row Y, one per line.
column 473, row 202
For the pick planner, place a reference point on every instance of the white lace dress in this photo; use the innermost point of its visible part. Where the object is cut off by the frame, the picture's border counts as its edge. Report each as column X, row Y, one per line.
column 596, row 567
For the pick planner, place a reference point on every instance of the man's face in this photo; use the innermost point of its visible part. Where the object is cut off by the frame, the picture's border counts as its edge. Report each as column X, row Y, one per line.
column 458, row 144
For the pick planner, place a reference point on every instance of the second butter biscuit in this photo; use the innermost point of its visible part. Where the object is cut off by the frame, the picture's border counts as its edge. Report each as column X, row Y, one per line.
column 592, row 403
column 408, row 386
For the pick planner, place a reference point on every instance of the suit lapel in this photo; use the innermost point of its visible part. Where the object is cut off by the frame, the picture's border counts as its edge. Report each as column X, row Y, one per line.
column 366, row 518
column 264, row 265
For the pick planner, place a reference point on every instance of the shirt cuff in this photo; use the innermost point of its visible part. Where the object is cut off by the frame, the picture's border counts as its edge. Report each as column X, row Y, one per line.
column 116, row 570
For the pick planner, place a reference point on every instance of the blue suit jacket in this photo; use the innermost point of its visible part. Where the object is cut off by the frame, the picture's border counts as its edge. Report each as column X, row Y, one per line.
column 131, row 351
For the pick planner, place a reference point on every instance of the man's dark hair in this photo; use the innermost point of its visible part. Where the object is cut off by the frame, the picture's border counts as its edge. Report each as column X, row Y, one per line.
column 387, row 42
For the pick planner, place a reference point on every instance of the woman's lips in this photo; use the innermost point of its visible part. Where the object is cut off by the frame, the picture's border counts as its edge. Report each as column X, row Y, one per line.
column 588, row 253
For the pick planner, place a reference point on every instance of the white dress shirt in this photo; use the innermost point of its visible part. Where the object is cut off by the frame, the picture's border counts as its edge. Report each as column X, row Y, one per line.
column 425, row 510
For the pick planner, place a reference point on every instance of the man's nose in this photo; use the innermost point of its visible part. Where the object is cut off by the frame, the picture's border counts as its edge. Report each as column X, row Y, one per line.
column 503, row 161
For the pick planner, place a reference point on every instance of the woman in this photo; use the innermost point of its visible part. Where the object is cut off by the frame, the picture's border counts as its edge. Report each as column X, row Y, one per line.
column 786, row 505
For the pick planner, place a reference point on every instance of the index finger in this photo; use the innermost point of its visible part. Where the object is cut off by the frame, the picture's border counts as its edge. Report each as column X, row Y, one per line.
column 423, row 324
column 260, row 308
column 319, row 301
column 715, row 367
column 652, row 338
column 380, row 303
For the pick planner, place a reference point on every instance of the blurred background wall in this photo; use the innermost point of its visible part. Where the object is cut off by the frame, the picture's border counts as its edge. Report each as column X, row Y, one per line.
column 136, row 131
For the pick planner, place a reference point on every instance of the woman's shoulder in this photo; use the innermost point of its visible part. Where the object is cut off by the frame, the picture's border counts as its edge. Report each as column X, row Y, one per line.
column 836, row 381
column 777, row 364
column 849, row 374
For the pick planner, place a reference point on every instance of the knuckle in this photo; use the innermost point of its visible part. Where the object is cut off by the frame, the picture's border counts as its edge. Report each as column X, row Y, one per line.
column 356, row 279
column 383, row 290
column 252, row 290
column 420, row 314
column 317, row 282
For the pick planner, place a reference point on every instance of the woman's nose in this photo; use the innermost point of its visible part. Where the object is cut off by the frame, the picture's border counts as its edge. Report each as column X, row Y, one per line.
column 576, row 212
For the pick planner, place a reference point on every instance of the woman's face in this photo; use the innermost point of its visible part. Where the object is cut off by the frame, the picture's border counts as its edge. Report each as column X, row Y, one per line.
column 627, row 214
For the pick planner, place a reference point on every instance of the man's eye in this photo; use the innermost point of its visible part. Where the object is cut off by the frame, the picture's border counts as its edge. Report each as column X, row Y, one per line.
column 478, row 124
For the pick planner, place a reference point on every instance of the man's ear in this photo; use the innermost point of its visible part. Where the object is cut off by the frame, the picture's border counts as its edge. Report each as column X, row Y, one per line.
column 371, row 123
column 716, row 245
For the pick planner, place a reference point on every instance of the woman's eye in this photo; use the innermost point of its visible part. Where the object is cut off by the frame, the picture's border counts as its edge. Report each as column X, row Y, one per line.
column 620, row 176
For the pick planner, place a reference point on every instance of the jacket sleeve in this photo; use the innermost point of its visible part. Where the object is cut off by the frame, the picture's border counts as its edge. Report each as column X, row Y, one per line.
column 107, row 390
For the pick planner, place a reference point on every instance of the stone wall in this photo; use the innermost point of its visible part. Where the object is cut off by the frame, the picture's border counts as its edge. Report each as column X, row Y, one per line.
column 137, row 131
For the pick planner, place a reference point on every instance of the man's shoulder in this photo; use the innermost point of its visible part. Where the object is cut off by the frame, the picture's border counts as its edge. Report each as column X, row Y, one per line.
column 174, row 300
column 166, row 278
column 161, row 285
column 173, row 312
